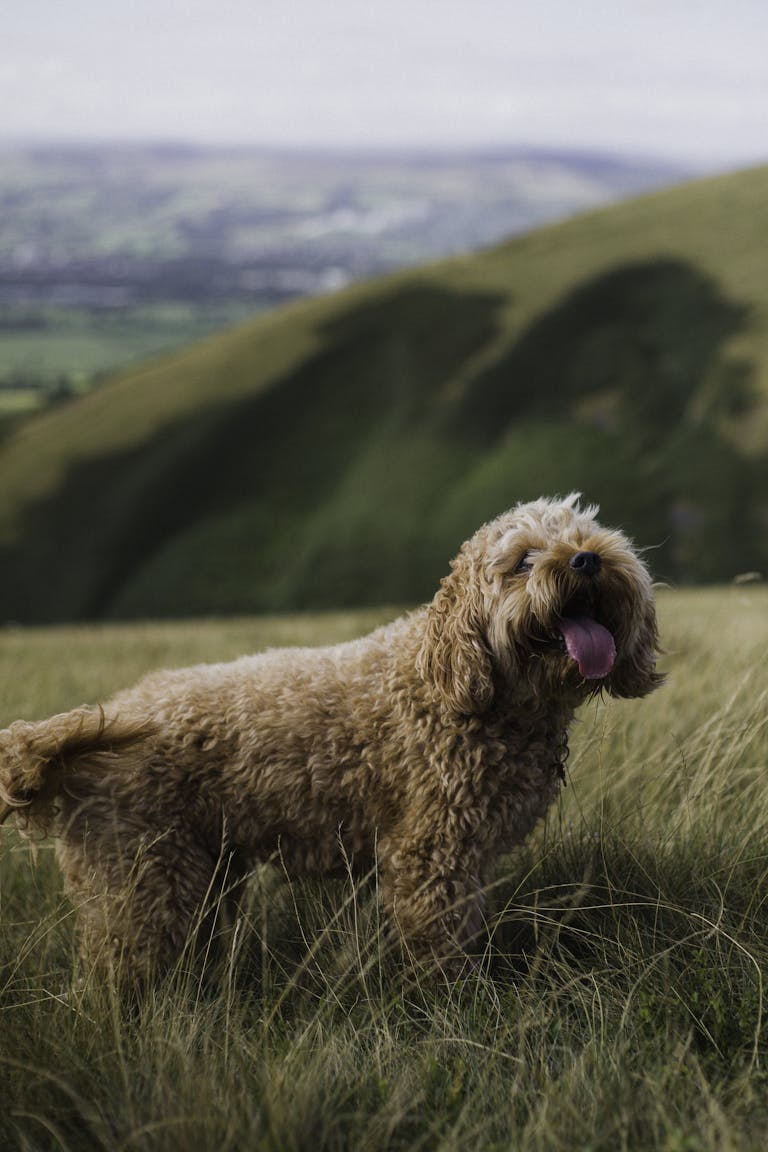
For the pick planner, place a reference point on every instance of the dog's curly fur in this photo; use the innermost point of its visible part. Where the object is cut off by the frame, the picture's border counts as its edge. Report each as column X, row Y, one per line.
column 433, row 745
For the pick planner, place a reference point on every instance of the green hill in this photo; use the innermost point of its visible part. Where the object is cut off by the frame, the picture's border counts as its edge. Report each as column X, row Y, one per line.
column 337, row 451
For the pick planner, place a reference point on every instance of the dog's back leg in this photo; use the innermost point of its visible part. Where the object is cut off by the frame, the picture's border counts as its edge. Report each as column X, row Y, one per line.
column 147, row 903
column 148, row 890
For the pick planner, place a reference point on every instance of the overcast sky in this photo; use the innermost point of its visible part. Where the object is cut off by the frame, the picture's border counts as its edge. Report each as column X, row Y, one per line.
column 684, row 79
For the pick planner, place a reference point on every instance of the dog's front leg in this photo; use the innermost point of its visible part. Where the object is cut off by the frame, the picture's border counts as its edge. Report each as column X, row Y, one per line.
column 437, row 904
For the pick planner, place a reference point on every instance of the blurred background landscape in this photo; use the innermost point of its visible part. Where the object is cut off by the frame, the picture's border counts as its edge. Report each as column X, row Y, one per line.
column 113, row 252
column 292, row 299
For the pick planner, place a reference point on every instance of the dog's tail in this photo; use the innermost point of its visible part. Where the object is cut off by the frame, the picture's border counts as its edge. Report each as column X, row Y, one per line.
column 37, row 759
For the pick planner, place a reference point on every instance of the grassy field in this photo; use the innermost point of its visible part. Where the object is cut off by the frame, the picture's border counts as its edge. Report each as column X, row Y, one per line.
column 82, row 346
column 622, row 998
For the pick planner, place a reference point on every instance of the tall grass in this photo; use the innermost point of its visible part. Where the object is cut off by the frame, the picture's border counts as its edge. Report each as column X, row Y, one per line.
column 620, row 1002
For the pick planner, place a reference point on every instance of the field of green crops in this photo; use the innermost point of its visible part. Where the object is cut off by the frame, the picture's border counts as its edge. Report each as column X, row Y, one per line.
column 622, row 998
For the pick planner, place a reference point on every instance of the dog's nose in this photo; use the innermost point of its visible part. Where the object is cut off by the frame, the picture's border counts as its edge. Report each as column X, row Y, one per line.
column 585, row 563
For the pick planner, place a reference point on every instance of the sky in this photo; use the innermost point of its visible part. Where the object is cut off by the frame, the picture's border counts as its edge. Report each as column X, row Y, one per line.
column 684, row 80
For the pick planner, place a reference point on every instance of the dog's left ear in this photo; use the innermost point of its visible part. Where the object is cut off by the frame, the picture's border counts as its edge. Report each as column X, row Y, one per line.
column 634, row 673
column 454, row 655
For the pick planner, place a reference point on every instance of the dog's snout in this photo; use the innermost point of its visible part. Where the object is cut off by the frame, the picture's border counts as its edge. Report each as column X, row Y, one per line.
column 585, row 563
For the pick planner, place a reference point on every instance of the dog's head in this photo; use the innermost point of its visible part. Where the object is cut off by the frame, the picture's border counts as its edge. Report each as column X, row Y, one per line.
column 545, row 603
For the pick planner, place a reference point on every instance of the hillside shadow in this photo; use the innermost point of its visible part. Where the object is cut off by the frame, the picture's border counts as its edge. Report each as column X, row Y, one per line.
column 640, row 338
column 626, row 390
column 278, row 452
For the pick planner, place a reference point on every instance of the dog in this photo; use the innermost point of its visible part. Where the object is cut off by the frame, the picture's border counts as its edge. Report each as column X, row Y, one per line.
column 427, row 748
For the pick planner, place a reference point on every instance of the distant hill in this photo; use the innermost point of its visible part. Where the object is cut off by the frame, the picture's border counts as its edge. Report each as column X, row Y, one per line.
column 337, row 451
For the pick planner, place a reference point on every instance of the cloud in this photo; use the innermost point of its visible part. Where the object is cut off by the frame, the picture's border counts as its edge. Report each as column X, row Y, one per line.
column 672, row 77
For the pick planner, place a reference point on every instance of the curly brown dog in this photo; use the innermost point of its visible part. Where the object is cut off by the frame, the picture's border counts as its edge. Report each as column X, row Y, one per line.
column 432, row 745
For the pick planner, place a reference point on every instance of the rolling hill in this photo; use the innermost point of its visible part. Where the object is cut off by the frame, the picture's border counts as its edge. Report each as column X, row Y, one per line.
column 335, row 452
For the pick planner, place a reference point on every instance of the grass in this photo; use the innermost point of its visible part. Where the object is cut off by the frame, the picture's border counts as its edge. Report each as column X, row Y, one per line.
column 622, row 998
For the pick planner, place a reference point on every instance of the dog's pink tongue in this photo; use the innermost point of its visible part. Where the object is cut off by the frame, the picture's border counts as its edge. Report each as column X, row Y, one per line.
column 589, row 644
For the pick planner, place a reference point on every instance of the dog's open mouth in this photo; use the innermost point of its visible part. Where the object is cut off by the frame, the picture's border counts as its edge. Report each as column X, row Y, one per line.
column 589, row 643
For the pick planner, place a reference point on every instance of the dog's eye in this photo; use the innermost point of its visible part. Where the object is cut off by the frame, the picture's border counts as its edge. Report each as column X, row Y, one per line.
column 524, row 564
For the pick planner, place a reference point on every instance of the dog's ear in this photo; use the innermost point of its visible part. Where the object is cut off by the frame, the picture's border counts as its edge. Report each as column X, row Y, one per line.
column 634, row 673
column 454, row 655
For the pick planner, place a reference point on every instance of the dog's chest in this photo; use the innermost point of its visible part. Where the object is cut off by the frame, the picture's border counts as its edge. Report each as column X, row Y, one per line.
column 499, row 790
